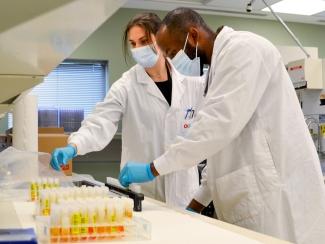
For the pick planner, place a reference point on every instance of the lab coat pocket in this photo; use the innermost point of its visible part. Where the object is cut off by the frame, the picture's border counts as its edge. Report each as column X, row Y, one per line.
column 239, row 195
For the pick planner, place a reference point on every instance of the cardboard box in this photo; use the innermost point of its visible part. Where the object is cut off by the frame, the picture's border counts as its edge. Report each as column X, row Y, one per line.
column 50, row 130
column 51, row 138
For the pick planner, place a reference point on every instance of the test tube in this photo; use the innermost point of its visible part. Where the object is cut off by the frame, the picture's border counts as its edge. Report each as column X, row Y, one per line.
column 78, row 192
column 39, row 186
column 103, row 191
column 119, row 209
column 45, row 202
column 84, row 192
column 43, row 183
column 52, row 197
column 84, row 222
column 33, row 190
column 65, row 193
column 55, row 223
column 88, row 192
column 56, row 182
column 75, row 222
column 65, row 225
column 101, row 229
column 128, row 204
column 92, row 219
column 110, row 211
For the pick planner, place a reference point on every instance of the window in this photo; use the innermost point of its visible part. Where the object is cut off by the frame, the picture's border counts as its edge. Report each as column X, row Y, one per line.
column 69, row 93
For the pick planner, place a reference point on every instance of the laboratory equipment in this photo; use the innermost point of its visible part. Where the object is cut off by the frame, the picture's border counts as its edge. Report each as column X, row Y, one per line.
column 306, row 73
column 79, row 214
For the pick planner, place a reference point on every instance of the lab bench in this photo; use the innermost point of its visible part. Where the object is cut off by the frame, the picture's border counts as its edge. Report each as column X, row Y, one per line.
column 168, row 225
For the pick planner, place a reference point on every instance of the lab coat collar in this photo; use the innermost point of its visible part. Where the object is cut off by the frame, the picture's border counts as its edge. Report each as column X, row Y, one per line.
column 219, row 42
column 177, row 86
column 218, row 45
column 143, row 78
column 141, row 75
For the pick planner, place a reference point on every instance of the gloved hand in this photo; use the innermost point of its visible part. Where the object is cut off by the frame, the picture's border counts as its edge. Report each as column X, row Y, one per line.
column 135, row 172
column 61, row 156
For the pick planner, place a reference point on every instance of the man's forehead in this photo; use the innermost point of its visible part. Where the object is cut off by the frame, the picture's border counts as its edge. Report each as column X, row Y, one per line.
column 164, row 36
column 163, row 33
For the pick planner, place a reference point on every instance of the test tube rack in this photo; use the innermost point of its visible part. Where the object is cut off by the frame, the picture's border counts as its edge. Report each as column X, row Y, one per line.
column 134, row 229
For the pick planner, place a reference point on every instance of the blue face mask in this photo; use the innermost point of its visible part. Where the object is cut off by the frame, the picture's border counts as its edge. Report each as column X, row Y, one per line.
column 184, row 65
column 145, row 56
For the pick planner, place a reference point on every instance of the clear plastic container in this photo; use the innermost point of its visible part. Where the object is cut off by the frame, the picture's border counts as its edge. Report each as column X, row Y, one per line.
column 130, row 229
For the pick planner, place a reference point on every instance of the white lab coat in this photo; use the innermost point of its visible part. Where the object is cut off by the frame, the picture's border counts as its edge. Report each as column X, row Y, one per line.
column 149, row 124
column 263, row 170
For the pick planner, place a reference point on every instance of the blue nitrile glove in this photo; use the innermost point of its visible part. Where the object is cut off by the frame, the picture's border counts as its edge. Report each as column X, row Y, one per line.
column 134, row 172
column 61, row 156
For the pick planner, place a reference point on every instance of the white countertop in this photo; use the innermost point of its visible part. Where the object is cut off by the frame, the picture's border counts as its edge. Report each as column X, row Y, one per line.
column 173, row 226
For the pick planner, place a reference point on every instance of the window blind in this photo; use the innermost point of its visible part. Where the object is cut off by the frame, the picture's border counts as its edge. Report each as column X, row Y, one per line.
column 75, row 85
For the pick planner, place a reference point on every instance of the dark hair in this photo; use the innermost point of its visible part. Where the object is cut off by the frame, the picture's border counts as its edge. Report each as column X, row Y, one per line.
column 180, row 19
column 150, row 22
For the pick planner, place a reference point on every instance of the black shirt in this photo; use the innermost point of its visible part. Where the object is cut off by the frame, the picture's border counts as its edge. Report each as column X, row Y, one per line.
column 166, row 88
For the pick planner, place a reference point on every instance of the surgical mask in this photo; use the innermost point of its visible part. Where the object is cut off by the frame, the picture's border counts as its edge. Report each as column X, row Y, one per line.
column 184, row 65
column 145, row 56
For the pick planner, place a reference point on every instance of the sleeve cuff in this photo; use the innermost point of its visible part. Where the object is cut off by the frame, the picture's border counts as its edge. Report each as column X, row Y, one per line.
column 73, row 140
column 203, row 195
column 162, row 165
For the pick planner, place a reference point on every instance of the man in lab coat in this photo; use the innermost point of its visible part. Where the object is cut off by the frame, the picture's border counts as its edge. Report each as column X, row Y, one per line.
column 263, row 170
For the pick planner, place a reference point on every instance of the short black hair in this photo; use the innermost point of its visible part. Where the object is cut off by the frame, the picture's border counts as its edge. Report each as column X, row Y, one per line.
column 180, row 19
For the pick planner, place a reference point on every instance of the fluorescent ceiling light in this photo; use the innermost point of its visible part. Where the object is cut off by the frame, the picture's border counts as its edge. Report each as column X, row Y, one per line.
column 300, row 7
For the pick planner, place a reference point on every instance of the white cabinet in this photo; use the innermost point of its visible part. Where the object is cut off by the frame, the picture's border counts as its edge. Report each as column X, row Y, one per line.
column 306, row 73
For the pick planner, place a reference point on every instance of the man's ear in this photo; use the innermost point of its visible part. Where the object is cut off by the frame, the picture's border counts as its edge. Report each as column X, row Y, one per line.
column 193, row 36
column 154, row 44
column 152, row 37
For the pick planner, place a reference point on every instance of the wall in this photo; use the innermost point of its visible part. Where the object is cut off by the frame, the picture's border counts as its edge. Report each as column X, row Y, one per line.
column 106, row 42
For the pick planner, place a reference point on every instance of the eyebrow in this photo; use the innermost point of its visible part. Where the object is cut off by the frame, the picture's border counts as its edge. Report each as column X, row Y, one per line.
column 141, row 38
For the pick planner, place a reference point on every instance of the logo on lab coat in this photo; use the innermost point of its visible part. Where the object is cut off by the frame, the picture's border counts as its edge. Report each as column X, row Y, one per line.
column 189, row 115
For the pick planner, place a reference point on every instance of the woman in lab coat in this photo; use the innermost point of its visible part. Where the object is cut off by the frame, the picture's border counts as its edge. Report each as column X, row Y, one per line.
column 155, row 104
